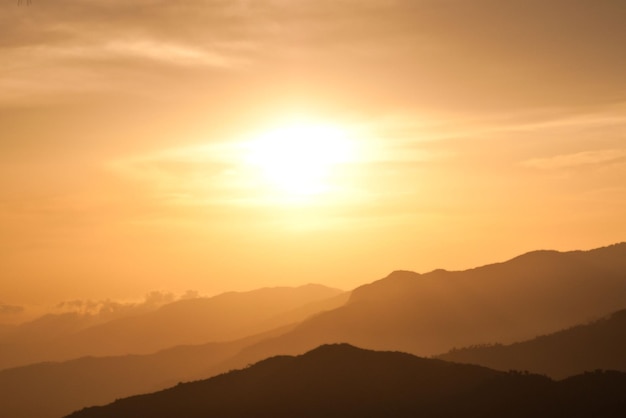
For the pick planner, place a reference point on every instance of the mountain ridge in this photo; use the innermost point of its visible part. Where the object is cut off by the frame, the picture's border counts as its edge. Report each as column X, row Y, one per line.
column 427, row 314
column 399, row 312
column 340, row 380
column 600, row 344
column 225, row 317
column 52, row 389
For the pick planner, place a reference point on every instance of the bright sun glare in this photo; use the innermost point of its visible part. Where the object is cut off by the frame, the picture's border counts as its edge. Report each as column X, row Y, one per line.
column 299, row 159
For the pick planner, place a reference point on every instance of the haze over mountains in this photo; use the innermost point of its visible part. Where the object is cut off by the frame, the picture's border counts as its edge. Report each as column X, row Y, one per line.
column 598, row 345
column 425, row 314
column 344, row 381
column 51, row 390
column 225, row 317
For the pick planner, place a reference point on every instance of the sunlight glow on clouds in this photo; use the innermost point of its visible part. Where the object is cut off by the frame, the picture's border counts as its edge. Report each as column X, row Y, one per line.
column 299, row 159
column 304, row 162
column 285, row 164
column 166, row 52
column 125, row 132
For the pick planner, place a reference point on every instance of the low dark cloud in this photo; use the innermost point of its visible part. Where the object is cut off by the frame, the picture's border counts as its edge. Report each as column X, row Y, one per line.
column 110, row 309
column 11, row 309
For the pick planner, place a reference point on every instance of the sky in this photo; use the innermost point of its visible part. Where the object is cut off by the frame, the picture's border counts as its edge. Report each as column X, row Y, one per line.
column 216, row 145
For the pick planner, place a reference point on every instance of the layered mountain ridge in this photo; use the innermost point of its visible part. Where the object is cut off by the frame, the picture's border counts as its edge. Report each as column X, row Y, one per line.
column 537, row 293
column 341, row 380
column 225, row 317
column 600, row 344
column 426, row 314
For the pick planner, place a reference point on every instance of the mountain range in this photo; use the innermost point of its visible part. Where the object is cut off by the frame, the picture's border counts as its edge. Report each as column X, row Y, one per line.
column 54, row 389
column 49, row 390
column 426, row 314
column 597, row 345
column 225, row 317
column 343, row 381
column 538, row 293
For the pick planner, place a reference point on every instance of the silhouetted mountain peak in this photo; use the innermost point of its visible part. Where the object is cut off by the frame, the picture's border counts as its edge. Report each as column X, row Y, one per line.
column 602, row 253
column 329, row 352
column 343, row 348
column 402, row 274
column 620, row 246
column 396, row 280
column 341, row 380
column 322, row 355
column 538, row 254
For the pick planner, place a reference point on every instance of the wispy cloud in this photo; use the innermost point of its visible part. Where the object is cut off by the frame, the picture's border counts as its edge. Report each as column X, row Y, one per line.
column 434, row 54
column 205, row 174
column 578, row 159
column 110, row 308
column 56, row 50
column 172, row 53
column 164, row 52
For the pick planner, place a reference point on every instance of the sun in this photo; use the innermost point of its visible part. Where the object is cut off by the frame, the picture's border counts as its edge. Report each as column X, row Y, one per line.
column 300, row 159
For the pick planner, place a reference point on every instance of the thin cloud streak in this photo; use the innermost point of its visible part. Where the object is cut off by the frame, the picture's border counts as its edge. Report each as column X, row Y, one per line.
column 579, row 159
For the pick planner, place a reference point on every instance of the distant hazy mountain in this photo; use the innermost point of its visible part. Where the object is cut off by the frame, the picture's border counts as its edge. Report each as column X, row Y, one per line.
column 47, row 327
column 51, row 390
column 344, row 381
column 30, row 341
column 598, row 345
column 225, row 317
column 73, row 316
column 534, row 294
column 427, row 314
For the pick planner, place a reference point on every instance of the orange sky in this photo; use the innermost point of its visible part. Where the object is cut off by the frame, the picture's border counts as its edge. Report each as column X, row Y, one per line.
column 482, row 130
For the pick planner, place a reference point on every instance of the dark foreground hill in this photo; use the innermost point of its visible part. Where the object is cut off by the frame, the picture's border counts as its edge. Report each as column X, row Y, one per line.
column 597, row 345
column 344, row 381
column 54, row 389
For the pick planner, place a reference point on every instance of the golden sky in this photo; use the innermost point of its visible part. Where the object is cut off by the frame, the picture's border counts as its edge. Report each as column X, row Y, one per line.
column 149, row 144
